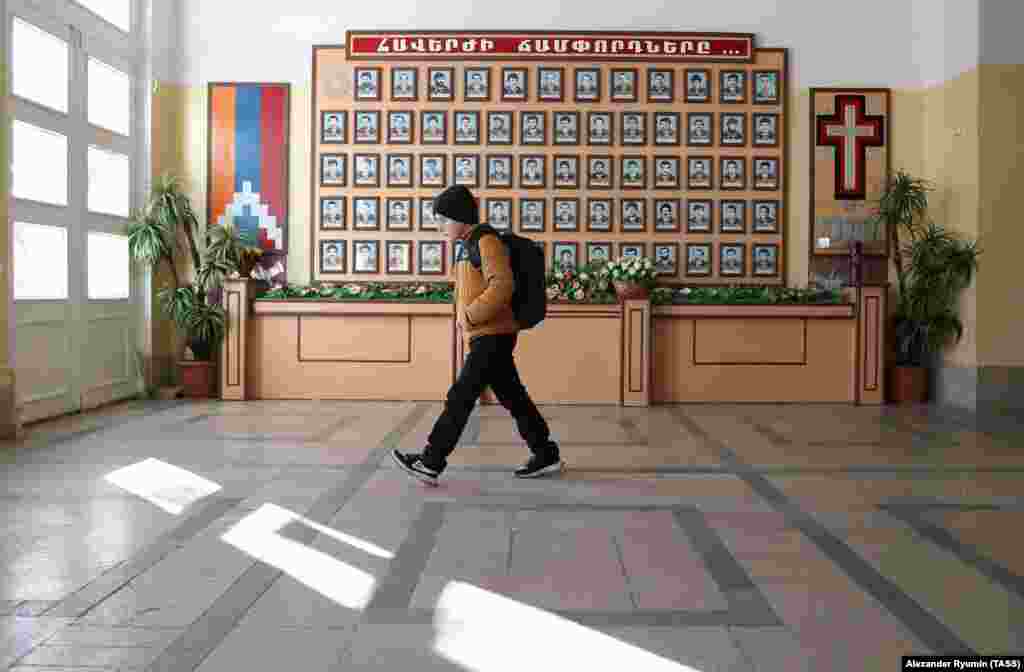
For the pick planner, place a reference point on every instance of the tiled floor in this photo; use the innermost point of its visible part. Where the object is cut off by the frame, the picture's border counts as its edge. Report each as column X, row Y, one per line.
column 211, row 536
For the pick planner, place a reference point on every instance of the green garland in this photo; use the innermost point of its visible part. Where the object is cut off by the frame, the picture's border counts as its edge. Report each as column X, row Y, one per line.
column 431, row 292
column 744, row 295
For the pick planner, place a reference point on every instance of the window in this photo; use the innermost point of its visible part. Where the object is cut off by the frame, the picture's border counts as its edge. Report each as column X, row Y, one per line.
column 109, row 268
column 117, row 12
column 110, row 182
column 40, row 261
column 39, row 164
column 110, row 97
column 40, row 66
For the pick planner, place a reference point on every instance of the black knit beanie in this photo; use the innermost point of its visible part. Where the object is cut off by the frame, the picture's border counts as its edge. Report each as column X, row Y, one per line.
column 457, row 203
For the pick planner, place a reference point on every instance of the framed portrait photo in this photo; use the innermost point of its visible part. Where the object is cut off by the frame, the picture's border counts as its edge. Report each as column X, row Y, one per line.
column 698, row 216
column 332, row 256
column 567, row 171
column 698, row 86
column 731, row 259
column 333, row 127
column 633, row 217
column 566, row 214
column 633, row 171
column 699, row 173
column 623, row 85
column 532, row 214
column 433, row 170
column 766, row 216
column 399, row 257
column 733, row 217
column 666, row 172
column 441, row 84
column 766, row 129
column 332, row 213
column 404, row 83
column 367, row 127
column 400, row 128
column 634, row 128
column 766, row 87
column 699, row 129
column 567, row 128
column 477, row 85
column 399, row 214
column 564, row 256
column 733, row 87
column 635, row 250
column 698, row 259
column 598, row 253
column 666, row 128
column 733, row 129
column 600, row 212
column 427, row 220
column 600, row 172
column 765, row 260
column 660, row 85
column 467, row 169
column 733, row 173
column 367, row 83
column 531, row 171
column 532, row 130
column 666, row 215
column 431, row 257
column 459, row 252
column 766, row 173
column 433, row 127
column 467, row 127
column 515, row 85
column 333, row 171
column 499, row 213
column 499, row 171
column 400, row 173
column 365, row 213
column 500, row 128
column 600, row 128
column 666, row 259
column 550, row 85
column 367, row 256
column 587, row 88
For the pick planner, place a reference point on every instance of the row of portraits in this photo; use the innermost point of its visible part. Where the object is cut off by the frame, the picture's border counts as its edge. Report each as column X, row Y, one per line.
column 634, row 128
column 566, row 172
column 565, row 255
column 737, row 87
column 567, row 214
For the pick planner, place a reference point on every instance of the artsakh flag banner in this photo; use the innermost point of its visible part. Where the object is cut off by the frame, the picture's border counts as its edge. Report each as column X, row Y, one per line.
column 248, row 161
column 590, row 46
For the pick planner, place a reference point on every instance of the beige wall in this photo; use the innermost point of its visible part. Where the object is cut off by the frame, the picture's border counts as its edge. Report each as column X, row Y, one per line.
column 8, row 405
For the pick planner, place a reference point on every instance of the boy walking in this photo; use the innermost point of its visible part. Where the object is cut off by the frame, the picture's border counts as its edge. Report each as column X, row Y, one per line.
column 483, row 304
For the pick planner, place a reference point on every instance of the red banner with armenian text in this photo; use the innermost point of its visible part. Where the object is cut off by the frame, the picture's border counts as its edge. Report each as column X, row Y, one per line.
column 589, row 46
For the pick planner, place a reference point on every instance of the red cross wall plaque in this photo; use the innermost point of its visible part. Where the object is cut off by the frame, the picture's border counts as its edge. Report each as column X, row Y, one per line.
column 849, row 167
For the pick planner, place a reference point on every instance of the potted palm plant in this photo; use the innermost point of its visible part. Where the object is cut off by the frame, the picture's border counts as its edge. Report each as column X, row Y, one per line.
column 155, row 239
column 939, row 265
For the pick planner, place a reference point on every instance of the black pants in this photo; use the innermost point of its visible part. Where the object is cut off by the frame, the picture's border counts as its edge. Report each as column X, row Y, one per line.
column 490, row 362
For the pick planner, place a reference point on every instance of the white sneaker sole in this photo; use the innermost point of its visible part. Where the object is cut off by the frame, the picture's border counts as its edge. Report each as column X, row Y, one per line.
column 422, row 477
column 550, row 469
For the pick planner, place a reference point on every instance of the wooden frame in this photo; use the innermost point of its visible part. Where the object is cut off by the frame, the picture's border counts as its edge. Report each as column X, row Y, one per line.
column 731, row 229
column 374, row 139
column 408, row 97
column 343, row 213
column 726, row 97
column 338, row 242
column 342, row 160
column 557, row 207
column 707, row 183
column 609, row 118
column 458, row 160
column 753, row 255
column 356, row 201
column 398, row 244
column 625, row 225
column 560, row 246
column 587, row 97
column 358, row 91
column 505, row 158
column 609, row 181
column 677, row 208
column 357, row 247
column 457, row 117
column 510, row 214
column 609, row 204
column 524, row 160
column 511, row 131
column 724, row 247
column 406, row 159
column 426, row 115
column 419, row 257
column 599, row 244
column 343, row 136
column 693, row 271
column 724, row 181
column 633, row 159
column 690, row 95
column 558, row 116
column 411, row 138
column 470, row 94
column 615, row 97
column 394, row 200
column 574, row 162
column 438, row 94
column 514, row 97
column 670, row 74
column 674, row 246
column 524, row 203
column 441, row 181
column 537, row 139
column 549, row 97
column 632, row 140
column 658, row 182
column 675, row 139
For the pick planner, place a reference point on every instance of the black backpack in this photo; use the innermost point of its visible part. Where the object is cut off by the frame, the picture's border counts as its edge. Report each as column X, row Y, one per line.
column 530, row 298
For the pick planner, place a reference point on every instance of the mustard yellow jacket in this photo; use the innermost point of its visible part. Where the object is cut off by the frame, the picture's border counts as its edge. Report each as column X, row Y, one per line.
column 483, row 298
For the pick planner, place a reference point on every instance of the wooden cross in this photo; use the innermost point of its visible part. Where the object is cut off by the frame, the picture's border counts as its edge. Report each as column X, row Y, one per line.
column 850, row 131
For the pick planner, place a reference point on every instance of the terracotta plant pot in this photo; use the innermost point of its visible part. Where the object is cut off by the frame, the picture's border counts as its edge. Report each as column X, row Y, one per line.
column 630, row 290
column 198, row 378
column 908, row 384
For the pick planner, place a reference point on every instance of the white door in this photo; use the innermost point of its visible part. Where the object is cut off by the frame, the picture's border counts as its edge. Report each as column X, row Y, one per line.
column 75, row 138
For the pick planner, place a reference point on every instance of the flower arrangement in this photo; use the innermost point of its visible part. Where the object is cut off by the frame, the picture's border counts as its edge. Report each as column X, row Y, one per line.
column 584, row 284
column 635, row 270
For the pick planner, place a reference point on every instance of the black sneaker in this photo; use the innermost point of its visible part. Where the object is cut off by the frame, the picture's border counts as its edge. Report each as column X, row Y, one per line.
column 412, row 464
column 538, row 467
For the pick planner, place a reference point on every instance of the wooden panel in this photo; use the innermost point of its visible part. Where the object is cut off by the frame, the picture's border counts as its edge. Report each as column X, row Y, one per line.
column 871, row 346
column 233, row 362
column 277, row 372
column 341, row 308
column 636, row 386
column 636, row 339
column 827, row 376
column 327, row 338
column 773, row 311
column 738, row 341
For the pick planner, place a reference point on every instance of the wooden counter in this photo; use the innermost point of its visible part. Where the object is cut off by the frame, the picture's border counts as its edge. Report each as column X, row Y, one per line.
column 631, row 354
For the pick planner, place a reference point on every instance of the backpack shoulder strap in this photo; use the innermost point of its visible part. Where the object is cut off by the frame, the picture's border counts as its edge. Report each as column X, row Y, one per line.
column 473, row 242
